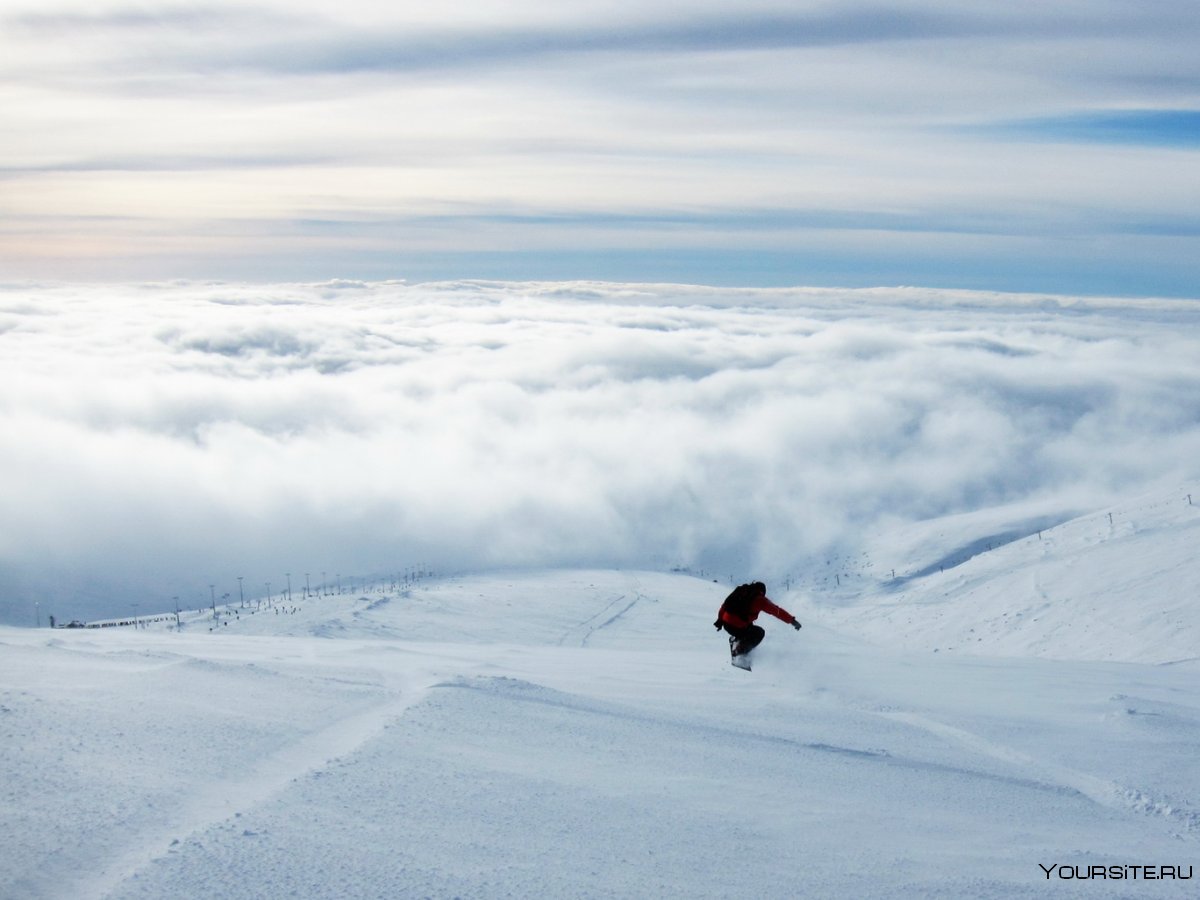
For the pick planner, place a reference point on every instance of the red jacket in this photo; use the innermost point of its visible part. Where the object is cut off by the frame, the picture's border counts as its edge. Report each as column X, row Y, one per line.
column 757, row 605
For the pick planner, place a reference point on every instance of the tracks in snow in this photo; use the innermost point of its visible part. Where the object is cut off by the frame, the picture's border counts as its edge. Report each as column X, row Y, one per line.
column 615, row 608
column 1099, row 790
column 216, row 802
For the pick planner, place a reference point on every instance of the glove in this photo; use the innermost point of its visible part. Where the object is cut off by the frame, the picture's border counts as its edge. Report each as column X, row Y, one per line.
column 795, row 624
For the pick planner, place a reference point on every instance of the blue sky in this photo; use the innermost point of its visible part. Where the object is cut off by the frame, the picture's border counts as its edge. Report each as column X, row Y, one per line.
column 994, row 145
column 1136, row 127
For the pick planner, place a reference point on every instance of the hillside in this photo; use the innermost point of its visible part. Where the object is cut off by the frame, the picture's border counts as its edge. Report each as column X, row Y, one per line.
column 1119, row 583
column 578, row 734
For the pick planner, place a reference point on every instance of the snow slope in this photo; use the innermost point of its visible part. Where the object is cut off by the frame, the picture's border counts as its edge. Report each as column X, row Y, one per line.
column 1120, row 583
column 581, row 734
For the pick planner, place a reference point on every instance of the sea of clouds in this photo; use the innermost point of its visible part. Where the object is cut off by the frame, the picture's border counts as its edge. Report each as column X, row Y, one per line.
column 158, row 439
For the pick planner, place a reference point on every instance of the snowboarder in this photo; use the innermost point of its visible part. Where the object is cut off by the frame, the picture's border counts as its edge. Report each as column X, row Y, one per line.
column 737, row 616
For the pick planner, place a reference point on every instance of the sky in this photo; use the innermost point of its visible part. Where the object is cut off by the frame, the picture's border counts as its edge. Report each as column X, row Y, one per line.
column 291, row 287
column 1005, row 145
column 156, row 439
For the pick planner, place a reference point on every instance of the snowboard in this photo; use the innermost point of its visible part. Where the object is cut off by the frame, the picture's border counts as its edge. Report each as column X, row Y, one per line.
column 741, row 661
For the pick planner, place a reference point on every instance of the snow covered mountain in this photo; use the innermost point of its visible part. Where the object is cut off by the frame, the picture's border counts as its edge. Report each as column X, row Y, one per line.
column 1121, row 583
column 582, row 734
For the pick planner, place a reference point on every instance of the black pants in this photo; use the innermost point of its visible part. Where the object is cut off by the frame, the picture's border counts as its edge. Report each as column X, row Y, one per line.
column 747, row 638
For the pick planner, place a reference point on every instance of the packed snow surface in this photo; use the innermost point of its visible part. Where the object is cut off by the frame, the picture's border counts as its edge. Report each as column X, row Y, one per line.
column 582, row 734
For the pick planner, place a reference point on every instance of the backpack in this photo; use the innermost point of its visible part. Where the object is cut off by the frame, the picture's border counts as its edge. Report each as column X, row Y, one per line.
column 741, row 601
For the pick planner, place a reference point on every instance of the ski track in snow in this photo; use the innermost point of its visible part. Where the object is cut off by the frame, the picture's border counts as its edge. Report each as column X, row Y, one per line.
column 1099, row 790
column 582, row 633
column 529, row 692
column 222, row 801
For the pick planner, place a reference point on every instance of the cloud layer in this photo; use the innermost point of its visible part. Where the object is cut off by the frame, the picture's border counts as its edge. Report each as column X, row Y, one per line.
column 158, row 439
column 1018, row 146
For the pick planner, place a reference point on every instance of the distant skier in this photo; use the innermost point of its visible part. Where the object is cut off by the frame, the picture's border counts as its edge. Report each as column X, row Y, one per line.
column 737, row 616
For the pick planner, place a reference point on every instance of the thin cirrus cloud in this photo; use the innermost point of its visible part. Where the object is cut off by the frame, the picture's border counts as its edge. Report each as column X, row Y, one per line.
column 424, row 50
column 156, row 439
column 989, row 146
